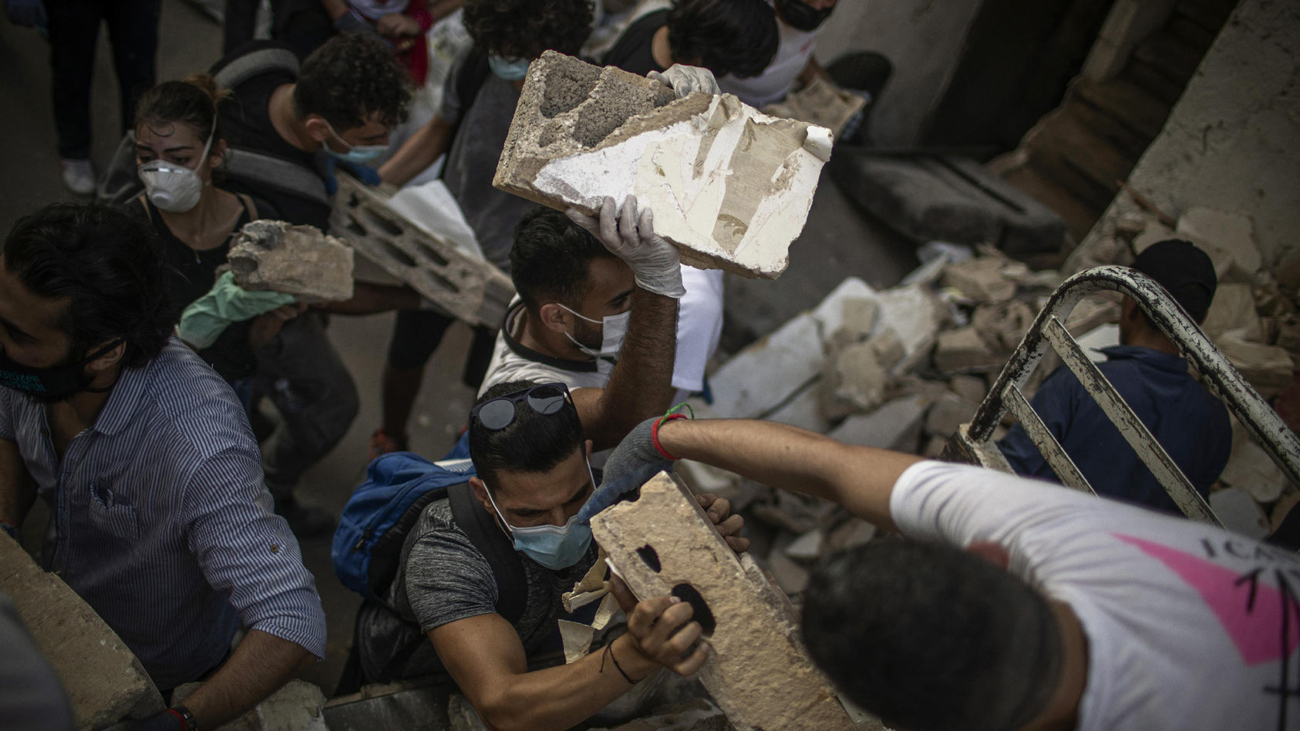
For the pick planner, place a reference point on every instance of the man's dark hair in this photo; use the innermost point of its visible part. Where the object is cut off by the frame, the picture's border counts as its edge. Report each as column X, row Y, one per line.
column 551, row 258
column 737, row 37
column 533, row 442
column 350, row 78
column 108, row 264
column 526, row 28
column 932, row 638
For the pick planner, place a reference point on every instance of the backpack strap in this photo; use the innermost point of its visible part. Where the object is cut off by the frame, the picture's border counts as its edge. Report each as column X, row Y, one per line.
column 470, row 77
column 255, row 63
column 249, row 206
column 275, row 173
column 488, row 538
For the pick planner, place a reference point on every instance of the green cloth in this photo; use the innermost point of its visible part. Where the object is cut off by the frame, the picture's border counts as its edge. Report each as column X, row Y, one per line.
column 209, row 316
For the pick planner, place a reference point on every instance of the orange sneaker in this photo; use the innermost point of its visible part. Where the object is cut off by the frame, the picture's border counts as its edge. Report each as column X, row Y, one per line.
column 382, row 443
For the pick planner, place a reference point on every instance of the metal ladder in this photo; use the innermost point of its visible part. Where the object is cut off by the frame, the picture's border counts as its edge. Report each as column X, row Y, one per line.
column 973, row 443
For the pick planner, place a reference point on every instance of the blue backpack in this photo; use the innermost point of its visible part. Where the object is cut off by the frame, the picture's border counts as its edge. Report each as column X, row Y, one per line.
column 368, row 544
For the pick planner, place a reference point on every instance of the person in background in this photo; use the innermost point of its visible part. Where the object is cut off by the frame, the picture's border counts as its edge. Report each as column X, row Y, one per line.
column 73, row 32
column 401, row 23
column 1147, row 371
column 179, row 144
column 799, row 22
column 737, row 37
column 146, row 460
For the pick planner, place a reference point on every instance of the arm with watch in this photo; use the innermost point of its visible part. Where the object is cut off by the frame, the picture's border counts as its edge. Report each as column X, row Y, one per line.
column 640, row 385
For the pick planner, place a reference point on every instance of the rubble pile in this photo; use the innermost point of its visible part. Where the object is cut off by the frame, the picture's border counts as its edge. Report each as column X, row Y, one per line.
column 899, row 369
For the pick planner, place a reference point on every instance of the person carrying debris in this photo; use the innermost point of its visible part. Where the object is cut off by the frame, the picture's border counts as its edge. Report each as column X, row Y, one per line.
column 479, row 589
column 164, row 525
column 1017, row 604
column 1147, row 371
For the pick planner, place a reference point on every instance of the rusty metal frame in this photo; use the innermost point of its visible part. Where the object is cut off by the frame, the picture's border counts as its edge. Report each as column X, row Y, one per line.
column 973, row 441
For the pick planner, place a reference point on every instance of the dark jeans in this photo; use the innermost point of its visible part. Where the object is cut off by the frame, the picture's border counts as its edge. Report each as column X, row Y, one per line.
column 417, row 333
column 303, row 25
column 74, row 27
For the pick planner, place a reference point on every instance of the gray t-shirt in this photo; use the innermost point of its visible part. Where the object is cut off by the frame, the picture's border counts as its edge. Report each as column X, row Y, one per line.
column 445, row 579
column 472, row 162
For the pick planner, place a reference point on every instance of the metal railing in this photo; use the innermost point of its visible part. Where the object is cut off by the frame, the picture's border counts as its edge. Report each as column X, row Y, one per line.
column 973, row 441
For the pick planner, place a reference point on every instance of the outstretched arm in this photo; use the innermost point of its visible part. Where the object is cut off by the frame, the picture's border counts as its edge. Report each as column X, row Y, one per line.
column 859, row 478
column 417, row 153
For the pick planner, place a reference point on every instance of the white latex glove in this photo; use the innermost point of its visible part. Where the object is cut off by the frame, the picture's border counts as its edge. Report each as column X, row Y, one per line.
column 654, row 262
column 684, row 80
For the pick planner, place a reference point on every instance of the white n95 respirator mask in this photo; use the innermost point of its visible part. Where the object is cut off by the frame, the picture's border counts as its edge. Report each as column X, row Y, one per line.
column 171, row 187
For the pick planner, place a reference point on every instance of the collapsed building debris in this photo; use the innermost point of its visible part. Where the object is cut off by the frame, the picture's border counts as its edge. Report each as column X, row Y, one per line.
column 296, row 260
column 729, row 186
column 758, row 671
column 452, row 275
column 104, row 681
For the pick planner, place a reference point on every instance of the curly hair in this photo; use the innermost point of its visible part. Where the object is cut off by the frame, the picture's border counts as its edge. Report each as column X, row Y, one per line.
column 724, row 36
column 108, row 264
column 349, row 79
column 526, row 28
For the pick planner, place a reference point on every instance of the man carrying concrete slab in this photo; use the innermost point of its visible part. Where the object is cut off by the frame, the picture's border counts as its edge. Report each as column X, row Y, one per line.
column 162, row 522
column 453, row 612
column 1019, row 604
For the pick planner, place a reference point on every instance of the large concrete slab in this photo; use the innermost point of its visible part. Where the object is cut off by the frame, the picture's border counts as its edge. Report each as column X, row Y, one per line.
column 729, row 185
column 104, row 680
column 758, row 670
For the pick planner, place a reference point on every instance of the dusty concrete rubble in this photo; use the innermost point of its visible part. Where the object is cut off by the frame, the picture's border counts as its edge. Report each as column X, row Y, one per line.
column 454, row 276
column 819, row 102
column 104, row 681
column 729, row 185
column 298, row 706
column 297, row 260
column 758, row 672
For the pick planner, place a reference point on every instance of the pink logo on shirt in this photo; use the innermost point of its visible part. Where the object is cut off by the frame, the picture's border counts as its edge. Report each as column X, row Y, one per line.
column 1249, row 610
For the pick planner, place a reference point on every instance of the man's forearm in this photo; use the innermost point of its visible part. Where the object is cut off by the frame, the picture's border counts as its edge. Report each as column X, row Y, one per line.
column 641, row 385
column 259, row 666
column 559, row 698
column 418, row 153
column 785, row 457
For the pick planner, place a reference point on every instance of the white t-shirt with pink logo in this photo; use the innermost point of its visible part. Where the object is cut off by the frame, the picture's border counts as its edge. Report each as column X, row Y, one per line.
column 1188, row 626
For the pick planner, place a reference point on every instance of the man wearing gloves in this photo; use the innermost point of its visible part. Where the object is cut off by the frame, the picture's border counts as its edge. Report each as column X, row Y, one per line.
column 162, row 523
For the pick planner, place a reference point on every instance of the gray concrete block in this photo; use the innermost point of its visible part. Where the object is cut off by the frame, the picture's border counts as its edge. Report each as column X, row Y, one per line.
column 729, row 186
column 761, row 377
column 104, row 681
column 297, row 260
column 459, row 281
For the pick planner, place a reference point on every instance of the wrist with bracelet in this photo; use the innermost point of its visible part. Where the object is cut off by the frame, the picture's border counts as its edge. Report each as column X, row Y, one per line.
column 188, row 722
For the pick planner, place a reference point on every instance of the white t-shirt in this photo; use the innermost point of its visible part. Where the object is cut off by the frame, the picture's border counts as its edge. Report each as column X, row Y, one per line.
column 699, row 326
column 1184, row 621
column 778, row 78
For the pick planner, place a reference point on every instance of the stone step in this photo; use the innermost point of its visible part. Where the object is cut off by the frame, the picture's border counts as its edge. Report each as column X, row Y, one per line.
column 1071, row 155
column 1125, row 102
column 1164, row 64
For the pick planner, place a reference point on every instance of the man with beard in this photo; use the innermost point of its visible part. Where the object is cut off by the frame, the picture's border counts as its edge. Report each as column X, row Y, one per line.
column 144, row 455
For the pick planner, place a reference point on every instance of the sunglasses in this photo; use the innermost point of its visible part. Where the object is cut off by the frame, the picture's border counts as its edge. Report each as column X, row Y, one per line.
column 499, row 413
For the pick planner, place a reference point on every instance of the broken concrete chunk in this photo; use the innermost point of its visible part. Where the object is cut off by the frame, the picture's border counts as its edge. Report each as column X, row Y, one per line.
column 1002, row 326
column 297, row 260
column 829, row 314
column 896, row 425
column 854, row 532
column 889, row 348
column 807, row 547
column 758, row 671
column 790, row 576
column 729, row 186
column 1251, row 469
column 860, row 314
column 947, row 413
column 452, row 275
column 1229, row 239
column 980, row 279
column 762, row 376
column 794, row 512
column 1091, row 313
column 1267, row 367
column 855, row 381
column 969, row 388
column 914, row 313
column 964, row 350
column 1239, row 512
column 803, row 411
column 1233, row 308
column 104, row 681
column 819, row 102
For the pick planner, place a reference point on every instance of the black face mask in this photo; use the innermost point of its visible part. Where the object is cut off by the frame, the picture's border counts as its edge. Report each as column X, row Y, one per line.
column 801, row 16
column 55, row 383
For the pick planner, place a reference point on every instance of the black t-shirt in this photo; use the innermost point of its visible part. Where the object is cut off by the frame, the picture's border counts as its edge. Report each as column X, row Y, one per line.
column 632, row 52
column 246, row 124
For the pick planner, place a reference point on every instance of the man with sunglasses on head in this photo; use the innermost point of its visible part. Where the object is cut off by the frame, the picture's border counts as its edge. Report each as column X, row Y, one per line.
column 534, row 475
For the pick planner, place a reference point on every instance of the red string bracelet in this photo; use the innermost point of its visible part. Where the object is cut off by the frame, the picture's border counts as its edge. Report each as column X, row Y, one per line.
column 654, row 435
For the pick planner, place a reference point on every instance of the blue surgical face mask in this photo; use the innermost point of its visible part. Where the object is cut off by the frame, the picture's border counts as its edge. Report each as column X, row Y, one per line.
column 510, row 69
column 555, row 547
column 356, row 154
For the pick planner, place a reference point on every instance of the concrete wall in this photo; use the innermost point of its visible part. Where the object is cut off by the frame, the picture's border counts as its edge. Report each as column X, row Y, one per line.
column 1233, row 140
column 923, row 39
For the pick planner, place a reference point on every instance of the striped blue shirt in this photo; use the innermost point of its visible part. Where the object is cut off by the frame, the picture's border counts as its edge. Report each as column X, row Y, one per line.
column 164, row 525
